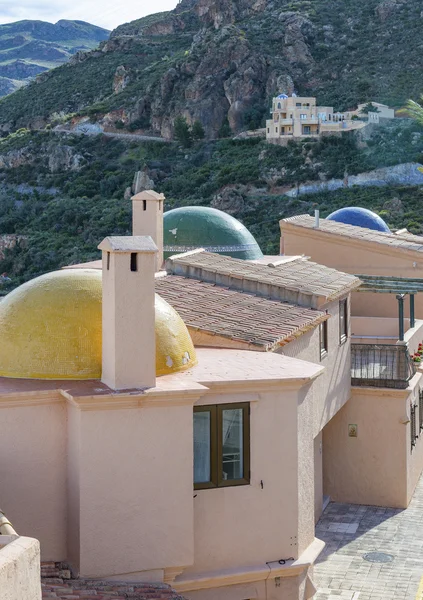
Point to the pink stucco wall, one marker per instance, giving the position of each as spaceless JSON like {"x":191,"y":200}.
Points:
{"x":377,"y":467}
{"x":136,"y":484}
{"x":33,"y":472}
{"x":236,"y":526}
{"x":351,"y":256}
{"x":332,"y":389}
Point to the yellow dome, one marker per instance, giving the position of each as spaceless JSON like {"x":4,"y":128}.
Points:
{"x":50,"y":328}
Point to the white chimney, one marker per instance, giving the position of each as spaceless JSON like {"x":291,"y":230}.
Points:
{"x":147,"y":219}
{"x":129,"y":340}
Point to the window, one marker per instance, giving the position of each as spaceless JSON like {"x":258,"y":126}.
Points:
{"x":306,"y":129}
{"x":298,"y":104}
{"x":221,"y":445}
{"x":134,"y":266}
{"x":413,"y":435}
{"x":343,"y":321}
{"x":276,"y":129}
{"x":303,"y":116}
{"x":323,"y":331}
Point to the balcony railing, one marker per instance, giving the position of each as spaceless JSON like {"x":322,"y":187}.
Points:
{"x":380,"y":365}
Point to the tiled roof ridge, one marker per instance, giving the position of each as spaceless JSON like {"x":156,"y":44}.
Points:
{"x":57,"y":583}
{"x":301,"y":277}
{"x":392,"y":240}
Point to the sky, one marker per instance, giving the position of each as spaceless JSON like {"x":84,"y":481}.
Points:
{"x":105,"y":13}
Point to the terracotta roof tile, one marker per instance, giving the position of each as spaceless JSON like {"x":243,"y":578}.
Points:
{"x":235,"y":314}
{"x":287,"y":280}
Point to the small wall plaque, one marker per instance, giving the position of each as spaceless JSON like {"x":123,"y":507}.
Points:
{"x":352,"y":430}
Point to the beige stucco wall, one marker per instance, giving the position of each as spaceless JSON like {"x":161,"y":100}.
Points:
{"x":33,"y":472}
{"x":237,"y":526}
{"x":19,"y":568}
{"x":377,"y":467}
{"x":73,"y":485}
{"x":415,"y":457}
{"x":356,"y":258}
{"x":318,"y":476}
{"x":286,"y":588}
{"x":332,"y":388}
{"x":136,"y":490}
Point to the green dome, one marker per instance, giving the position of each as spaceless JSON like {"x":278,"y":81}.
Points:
{"x":192,"y":227}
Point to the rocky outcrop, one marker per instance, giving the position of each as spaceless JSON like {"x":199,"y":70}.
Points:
{"x":405,"y":174}
{"x":120,"y":80}
{"x":387,"y":8}
{"x":59,"y":158}
{"x":64,"y":158}
{"x":230,"y":199}
{"x":221,"y":61}
{"x":142,"y":181}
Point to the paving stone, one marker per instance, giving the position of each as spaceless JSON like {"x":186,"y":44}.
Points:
{"x":352,"y":531}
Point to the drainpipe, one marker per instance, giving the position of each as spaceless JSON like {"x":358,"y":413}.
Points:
{"x":5,"y":525}
{"x":412,"y":315}
{"x":316,"y":218}
{"x":400,"y":298}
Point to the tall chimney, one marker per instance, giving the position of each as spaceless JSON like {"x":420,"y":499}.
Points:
{"x":129,"y":340}
{"x":147,"y":219}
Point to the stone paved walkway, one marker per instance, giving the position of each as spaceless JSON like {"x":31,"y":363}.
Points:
{"x":352,"y":531}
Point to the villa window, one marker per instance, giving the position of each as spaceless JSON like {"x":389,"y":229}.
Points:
{"x":343,"y":321}
{"x":303,"y":116}
{"x":323,"y":332}
{"x":221,"y":445}
{"x":298,"y":104}
{"x":413,"y":435}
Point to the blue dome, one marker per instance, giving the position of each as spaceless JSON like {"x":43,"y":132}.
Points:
{"x":283,"y":96}
{"x":360,"y":217}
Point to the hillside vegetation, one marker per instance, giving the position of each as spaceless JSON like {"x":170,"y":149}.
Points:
{"x":218,"y":60}
{"x":65,"y":193}
{"x":28,"y":48}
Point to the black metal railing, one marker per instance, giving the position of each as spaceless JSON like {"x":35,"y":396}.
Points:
{"x":381,"y":365}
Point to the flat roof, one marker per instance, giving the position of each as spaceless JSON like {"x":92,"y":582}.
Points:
{"x":236,"y":315}
{"x":215,"y":366}
{"x":407,"y":241}
{"x":221,"y":365}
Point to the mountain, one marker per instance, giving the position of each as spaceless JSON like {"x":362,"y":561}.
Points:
{"x":28,"y":48}
{"x":221,"y":61}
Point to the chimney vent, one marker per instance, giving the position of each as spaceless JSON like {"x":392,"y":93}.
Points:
{"x":147,"y":219}
{"x":316,"y":218}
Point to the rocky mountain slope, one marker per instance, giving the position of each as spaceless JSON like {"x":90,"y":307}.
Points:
{"x":28,"y":48}
{"x":61,"y":194}
{"x":219,"y":60}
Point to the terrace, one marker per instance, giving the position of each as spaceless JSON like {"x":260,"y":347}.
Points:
{"x":381,"y":348}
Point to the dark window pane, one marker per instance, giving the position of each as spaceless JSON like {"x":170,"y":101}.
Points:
{"x":232,"y":444}
{"x":202,"y":443}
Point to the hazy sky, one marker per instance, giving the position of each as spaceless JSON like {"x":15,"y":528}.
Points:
{"x":105,"y":13}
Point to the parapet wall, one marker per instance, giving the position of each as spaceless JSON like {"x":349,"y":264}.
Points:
{"x":19,"y":568}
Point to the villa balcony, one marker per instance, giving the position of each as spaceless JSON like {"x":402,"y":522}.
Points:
{"x":284,"y":122}
{"x":378,"y":359}
{"x":381,"y":365}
